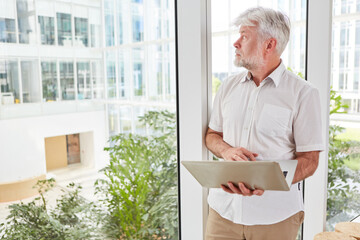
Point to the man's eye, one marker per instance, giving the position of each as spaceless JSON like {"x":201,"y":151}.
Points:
{"x":243,"y":37}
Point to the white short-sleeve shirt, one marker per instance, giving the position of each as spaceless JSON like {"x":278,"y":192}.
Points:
{"x":276,"y":119}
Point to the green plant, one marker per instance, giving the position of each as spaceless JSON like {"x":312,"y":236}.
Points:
{"x":72,"y":218}
{"x":139,"y":191}
{"x":340,"y":193}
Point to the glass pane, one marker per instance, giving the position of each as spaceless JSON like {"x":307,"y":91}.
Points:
{"x":142,"y":107}
{"x":83,"y":80}
{"x":224,"y":34}
{"x":111,"y":75}
{"x":95,"y":27}
{"x":109,"y":22}
{"x":26,"y":21}
{"x":49,"y":81}
{"x":97,"y":80}
{"x":343,"y":203}
{"x":123,"y":72}
{"x":47,"y":30}
{"x":7,"y":30}
{"x":67,"y":83}
{"x":138,"y":70}
{"x":30,"y":81}
{"x":64,"y":29}
{"x":9,"y":82}
{"x":81,"y":31}
{"x":137,"y":22}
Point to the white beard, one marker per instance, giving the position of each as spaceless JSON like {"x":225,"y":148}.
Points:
{"x":251,"y":63}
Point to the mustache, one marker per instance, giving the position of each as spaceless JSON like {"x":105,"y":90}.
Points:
{"x":238,"y":52}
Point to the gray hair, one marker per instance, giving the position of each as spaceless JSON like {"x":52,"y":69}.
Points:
{"x":271,"y":24}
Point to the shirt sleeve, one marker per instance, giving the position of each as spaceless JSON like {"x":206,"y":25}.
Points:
{"x":307,"y":123}
{"x":216,"y":119}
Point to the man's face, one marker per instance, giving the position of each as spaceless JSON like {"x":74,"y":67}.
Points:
{"x":248,"y":50}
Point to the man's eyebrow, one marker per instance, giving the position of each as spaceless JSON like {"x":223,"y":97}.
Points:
{"x":243,"y":31}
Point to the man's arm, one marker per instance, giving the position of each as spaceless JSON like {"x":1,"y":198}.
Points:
{"x":215,"y":143}
{"x":307,"y":164}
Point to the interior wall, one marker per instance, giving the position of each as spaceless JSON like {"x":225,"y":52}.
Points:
{"x":55,"y":152}
{"x":23,"y":146}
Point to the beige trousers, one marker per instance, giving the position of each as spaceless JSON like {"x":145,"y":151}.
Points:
{"x":219,"y":228}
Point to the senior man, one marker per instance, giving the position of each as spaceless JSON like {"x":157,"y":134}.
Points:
{"x":264,"y":113}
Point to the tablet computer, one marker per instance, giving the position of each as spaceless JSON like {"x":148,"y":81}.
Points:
{"x":266,"y":175}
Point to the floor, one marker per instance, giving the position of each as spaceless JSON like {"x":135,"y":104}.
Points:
{"x":75,"y":173}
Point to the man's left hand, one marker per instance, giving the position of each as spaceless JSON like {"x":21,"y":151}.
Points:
{"x":241,"y":189}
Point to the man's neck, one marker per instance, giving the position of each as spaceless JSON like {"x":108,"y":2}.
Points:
{"x":258,"y":75}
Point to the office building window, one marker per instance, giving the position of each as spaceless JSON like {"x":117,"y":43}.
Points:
{"x":81,"y":31}
{"x":7,"y":30}
{"x":357,"y":33}
{"x":64,"y":29}
{"x":344,"y":34}
{"x":125,"y":119}
{"x":356,"y":80}
{"x":109,"y":22}
{"x":9,"y":82}
{"x":97,"y":79}
{"x":26,"y":21}
{"x":83,"y":80}
{"x":67,"y":83}
{"x":49,"y":81}
{"x":111,"y":75}
{"x":357,"y":59}
{"x":30,"y":82}
{"x":95,"y":27}
{"x":120,"y":21}
{"x":138,"y":68}
{"x":138,"y":28}
{"x":47,"y":30}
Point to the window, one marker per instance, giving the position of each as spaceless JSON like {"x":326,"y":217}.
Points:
{"x":137,"y":23}
{"x":81,"y":31}
{"x":47,"y":30}
{"x":30,"y":88}
{"x":64,"y":29}
{"x":26,"y":21}
{"x":139,"y":81}
{"x":97,"y":79}
{"x":49,"y":81}
{"x":83,"y":80}
{"x":123,"y":74}
{"x":67,"y":83}
{"x":7,"y":30}
{"x":109,"y":22}
{"x":95,"y":27}
{"x":9,"y":82}
{"x":111,"y":75}
{"x":356,"y":80}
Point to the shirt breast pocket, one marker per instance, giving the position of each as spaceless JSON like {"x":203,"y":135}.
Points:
{"x":274,"y":120}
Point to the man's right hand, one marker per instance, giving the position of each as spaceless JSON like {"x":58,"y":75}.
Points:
{"x":238,"y":154}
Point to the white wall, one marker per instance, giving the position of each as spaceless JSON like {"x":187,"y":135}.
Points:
{"x":22,"y":145}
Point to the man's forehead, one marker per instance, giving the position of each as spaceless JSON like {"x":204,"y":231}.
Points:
{"x":247,"y":29}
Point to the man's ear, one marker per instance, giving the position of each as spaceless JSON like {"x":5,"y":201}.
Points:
{"x":271,"y":45}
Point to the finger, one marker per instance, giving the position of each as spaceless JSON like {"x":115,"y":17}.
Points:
{"x":258,"y":192}
{"x":234,"y":188}
{"x":248,"y":154}
{"x":243,"y":157}
{"x":237,"y":158}
{"x":226,"y":189}
{"x":255,"y":154}
{"x":245,"y":191}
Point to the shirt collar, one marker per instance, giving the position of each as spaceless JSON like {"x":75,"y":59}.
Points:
{"x":275,"y":76}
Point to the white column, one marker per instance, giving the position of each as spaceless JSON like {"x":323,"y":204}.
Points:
{"x":193,"y":109}
{"x":318,"y":73}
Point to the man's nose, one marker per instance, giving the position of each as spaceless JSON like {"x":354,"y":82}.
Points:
{"x":237,"y":44}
